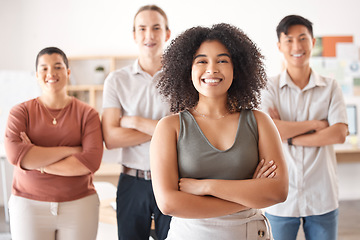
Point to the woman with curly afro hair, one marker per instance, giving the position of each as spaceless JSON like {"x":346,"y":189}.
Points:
{"x":217,"y":160}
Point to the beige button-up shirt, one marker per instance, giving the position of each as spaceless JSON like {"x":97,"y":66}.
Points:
{"x":313,"y":186}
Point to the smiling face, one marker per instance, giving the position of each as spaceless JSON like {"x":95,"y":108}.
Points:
{"x":212,"y":69}
{"x":52,"y":73}
{"x":150,"y":32}
{"x":296,"y":46}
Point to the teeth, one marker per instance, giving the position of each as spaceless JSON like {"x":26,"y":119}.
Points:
{"x":298,"y":55}
{"x":211,"y":80}
{"x":51,"y":81}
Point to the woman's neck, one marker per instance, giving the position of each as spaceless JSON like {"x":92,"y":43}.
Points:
{"x":212,"y":107}
{"x":55,"y":101}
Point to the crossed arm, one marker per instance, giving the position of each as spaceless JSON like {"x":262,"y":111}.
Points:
{"x":125,"y":131}
{"x":53,"y":160}
{"x":322,"y":135}
{"x":191,"y":198}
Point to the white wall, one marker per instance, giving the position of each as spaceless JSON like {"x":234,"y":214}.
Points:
{"x":93,"y":27}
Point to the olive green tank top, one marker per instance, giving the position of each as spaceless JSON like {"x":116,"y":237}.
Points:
{"x":197,"y":158}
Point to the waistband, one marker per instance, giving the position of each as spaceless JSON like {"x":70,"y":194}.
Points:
{"x":136,"y":173}
{"x":231,"y":223}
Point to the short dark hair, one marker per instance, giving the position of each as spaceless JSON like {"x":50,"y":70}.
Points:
{"x":152,"y":8}
{"x":49,"y":51}
{"x":249,"y":74}
{"x":292,"y":20}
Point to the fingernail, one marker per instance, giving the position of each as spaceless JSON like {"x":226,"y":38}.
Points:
{"x":274,"y":166}
{"x":271,"y":162}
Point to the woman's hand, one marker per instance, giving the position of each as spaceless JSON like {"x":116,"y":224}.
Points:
{"x":192,"y":186}
{"x":25,"y":138}
{"x":265,"y":170}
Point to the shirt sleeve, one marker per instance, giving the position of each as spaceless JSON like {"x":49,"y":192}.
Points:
{"x":17,"y":123}
{"x":110,"y":93}
{"x":268,"y":96}
{"x":337,"y":110}
{"x":92,"y":141}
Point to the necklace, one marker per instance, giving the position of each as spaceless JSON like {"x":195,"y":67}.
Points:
{"x":54,"y":121}
{"x":204,"y":116}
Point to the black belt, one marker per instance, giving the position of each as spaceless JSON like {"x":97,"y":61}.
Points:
{"x":136,"y":173}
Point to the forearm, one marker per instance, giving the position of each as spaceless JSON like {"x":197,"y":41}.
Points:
{"x":223,"y":189}
{"x":144,"y":125}
{"x":253,"y":193}
{"x":38,"y":157}
{"x":289,"y":129}
{"x":332,"y":135}
{"x":185,"y":205}
{"x":69,"y":166}
{"x":119,"y":137}
{"x":119,"y":131}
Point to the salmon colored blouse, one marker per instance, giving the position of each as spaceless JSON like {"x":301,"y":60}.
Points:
{"x":78,"y":124}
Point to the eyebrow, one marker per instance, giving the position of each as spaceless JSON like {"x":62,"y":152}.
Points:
{"x":155,"y":25}
{"x":220,"y":55}
{"x":44,"y":64}
{"x":302,"y":34}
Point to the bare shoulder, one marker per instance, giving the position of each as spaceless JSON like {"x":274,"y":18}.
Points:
{"x":169,"y":122}
{"x":261,"y":116}
{"x":166,"y":130}
{"x":170,"y":119}
{"x":265,"y":124}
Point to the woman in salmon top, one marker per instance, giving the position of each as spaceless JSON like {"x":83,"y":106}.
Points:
{"x":55,"y":143}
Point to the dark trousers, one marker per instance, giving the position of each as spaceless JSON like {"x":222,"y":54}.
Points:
{"x":135,"y":204}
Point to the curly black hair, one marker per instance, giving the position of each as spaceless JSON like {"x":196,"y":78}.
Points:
{"x":175,"y":82}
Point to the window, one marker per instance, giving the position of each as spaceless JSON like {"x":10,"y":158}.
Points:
{"x":352,"y":119}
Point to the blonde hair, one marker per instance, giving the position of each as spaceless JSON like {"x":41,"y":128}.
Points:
{"x":153,"y":8}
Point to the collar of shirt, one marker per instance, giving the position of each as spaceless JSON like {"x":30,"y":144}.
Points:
{"x":314,"y":81}
{"x":136,"y":69}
